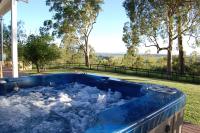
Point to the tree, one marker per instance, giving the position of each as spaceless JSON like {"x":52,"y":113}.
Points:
{"x":156,"y":20}
{"x":152,"y":22}
{"x":21,"y":36}
{"x":7,"y":42}
{"x":131,"y":40}
{"x":193,"y":64}
{"x":69,"y":49}
{"x":188,"y":24}
{"x":40,"y":51}
{"x":75,"y":19}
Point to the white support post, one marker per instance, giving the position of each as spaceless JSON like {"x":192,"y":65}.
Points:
{"x":1,"y":41}
{"x":14,"y":39}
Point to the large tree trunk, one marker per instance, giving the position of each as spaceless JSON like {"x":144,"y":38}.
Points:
{"x":38,"y":68}
{"x":169,"y":61}
{"x":87,"y":60}
{"x":169,"y":51}
{"x":87,"y":54}
{"x":180,"y":46}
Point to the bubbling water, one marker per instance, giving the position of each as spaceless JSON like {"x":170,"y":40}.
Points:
{"x":70,"y":108}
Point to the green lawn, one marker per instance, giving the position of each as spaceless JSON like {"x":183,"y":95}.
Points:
{"x":192,"y":110}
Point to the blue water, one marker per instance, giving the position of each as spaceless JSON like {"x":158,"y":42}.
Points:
{"x":69,"y":108}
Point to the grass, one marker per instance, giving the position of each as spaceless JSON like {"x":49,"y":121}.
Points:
{"x":192,"y":78}
{"x":192,"y":110}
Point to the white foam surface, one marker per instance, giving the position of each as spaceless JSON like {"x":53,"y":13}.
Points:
{"x":70,"y":108}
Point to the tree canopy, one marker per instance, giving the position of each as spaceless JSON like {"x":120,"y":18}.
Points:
{"x":157,"y":22}
{"x":21,"y":35}
{"x":40,"y":51}
{"x":74,"y":20}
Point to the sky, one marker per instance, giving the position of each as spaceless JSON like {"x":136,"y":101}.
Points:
{"x":106,"y":36}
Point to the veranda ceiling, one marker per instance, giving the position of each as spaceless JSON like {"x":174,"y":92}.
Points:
{"x":5,"y":6}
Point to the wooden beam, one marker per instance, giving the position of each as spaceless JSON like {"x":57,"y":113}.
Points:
{"x":5,"y":6}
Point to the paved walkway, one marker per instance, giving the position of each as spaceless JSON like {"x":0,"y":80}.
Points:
{"x":190,"y":128}
{"x":7,"y":72}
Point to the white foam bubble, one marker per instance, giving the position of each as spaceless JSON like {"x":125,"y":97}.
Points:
{"x":70,"y":109}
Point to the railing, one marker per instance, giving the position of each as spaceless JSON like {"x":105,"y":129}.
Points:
{"x":192,"y":78}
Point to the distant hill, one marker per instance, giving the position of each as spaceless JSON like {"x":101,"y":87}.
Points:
{"x":122,"y":54}
{"x":154,"y":55}
{"x":110,"y":54}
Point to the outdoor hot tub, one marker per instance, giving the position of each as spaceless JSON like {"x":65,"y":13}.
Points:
{"x":45,"y":103}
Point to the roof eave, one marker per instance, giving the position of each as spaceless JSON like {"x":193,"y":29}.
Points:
{"x":5,"y":6}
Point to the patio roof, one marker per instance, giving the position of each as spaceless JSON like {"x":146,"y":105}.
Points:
{"x":5,"y":6}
